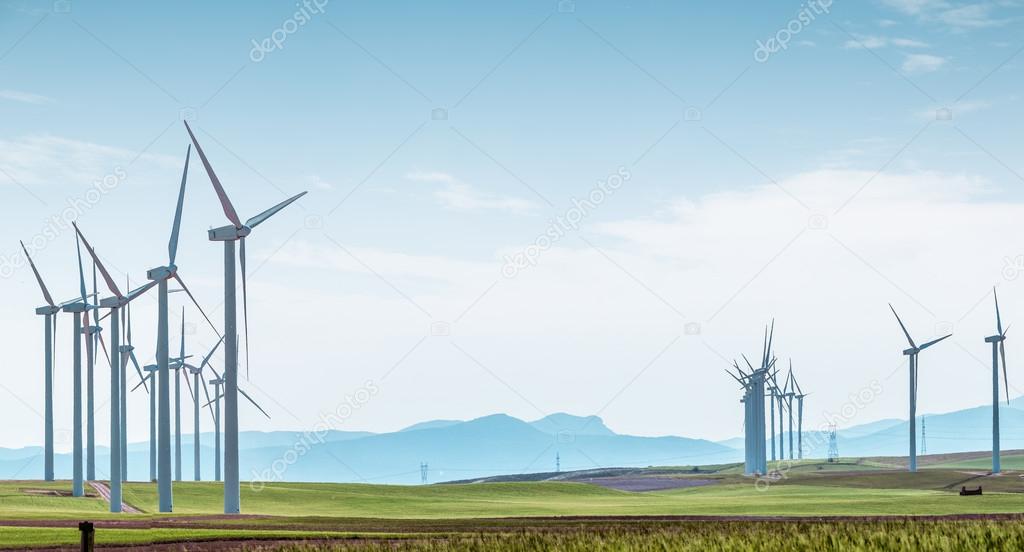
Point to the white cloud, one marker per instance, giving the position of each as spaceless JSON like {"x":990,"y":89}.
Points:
{"x":956,"y":16}
{"x":876,"y":42}
{"x":728,"y":260}
{"x":455,"y":194}
{"x":922,"y":63}
{"x":41,"y":160}
{"x":24,"y":97}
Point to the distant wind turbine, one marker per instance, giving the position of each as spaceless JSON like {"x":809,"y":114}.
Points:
{"x":912,"y":352}
{"x":998,"y":354}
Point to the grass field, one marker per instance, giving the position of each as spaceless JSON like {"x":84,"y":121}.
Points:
{"x":450,"y":514}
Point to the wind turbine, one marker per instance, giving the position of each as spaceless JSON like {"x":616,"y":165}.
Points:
{"x":91,"y":333}
{"x":799,"y":419}
{"x":197,"y":373}
{"x":151,"y":371}
{"x":115,"y":304}
{"x":216,"y":383}
{"x":790,"y":395}
{"x":998,"y":353}
{"x":49,"y":322}
{"x":162,"y":275}
{"x":236,"y":231}
{"x":177,"y":365}
{"x":128,"y":353}
{"x":80,"y":309}
{"x":912,"y":352}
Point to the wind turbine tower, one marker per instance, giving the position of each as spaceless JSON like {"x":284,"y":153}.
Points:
{"x":235,"y":231}
{"x":49,"y":322}
{"x":998,"y":354}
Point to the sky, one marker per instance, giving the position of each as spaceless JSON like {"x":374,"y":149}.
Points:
{"x":527,"y":207}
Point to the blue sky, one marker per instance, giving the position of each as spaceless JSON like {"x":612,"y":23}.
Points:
{"x":815,"y":186}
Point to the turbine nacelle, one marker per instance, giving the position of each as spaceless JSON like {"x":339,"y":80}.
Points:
{"x":229,"y":233}
{"x":911,"y":351}
{"x":47,"y":310}
{"x":162,"y":273}
{"x":995,"y":338}
{"x":150,"y":368}
{"x":77,"y":306}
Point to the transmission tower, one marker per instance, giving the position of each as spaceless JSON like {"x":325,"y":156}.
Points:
{"x":833,"y":444}
{"x":423,"y":472}
{"x":558,"y":463}
{"x":924,"y":444}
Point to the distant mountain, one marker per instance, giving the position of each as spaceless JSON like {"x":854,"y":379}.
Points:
{"x":500,"y":444}
{"x":491,"y":445}
{"x":553,"y":424}
{"x":431,"y":424}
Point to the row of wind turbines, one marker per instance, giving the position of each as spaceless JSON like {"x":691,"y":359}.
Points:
{"x":155,"y":378}
{"x":998,"y":357}
{"x":757,"y":383}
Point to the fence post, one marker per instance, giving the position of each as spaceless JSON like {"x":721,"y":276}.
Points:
{"x":88,"y":535}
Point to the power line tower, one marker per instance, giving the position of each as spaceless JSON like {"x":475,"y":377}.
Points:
{"x":424,"y":468}
{"x":558,"y":463}
{"x":833,"y":444}
{"x":924,"y":444}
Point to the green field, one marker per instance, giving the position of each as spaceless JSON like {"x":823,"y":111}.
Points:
{"x":370,"y":514}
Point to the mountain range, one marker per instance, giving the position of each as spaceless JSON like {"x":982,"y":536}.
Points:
{"x":500,"y":444}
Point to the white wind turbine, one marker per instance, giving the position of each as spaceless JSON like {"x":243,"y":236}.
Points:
{"x":236,"y":231}
{"x":197,"y":378}
{"x":49,"y":322}
{"x":162,"y":275}
{"x":117,"y":365}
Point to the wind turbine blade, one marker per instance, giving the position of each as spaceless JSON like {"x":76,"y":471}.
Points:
{"x":206,"y":391}
{"x":221,"y":396}
{"x":104,"y":344}
{"x":189,"y":385}
{"x":172,"y":245}
{"x":258,"y":219}
{"x":745,"y":359}
{"x":81,"y":274}
{"x":246,"y":395}
{"x":1006,"y":383}
{"x":128,"y":326}
{"x":131,"y":355}
{"x":196,"y":303}
{"x":225,"y":203}
{"x":771,"y":337}
{"x":934,"y":341}
{"x":98,"y":264}
{"x":206,"y":359}
{"x":141,"y":384}
{"x":39,"y":279}
{"x":245,"y":305}
{"x":905,"y":332}
{"x":142,"y":289}
{"x":183,"y":336}
{"x":999,"y":320}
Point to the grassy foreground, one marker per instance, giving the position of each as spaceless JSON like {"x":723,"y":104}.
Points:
{"x":725,"y":537}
